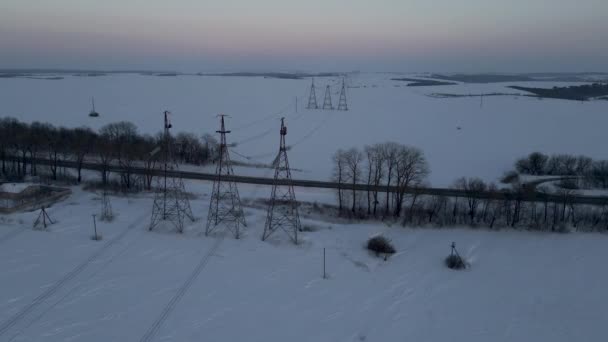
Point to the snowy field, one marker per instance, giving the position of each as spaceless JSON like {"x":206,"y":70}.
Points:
{"x":490,"y":138}
{"x":136,"y":285}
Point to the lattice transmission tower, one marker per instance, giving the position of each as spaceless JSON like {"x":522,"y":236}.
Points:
{"x":225,"y":209}
{"x":342,"y":105}
{"x":327,"y":101}
{"x":171,"y":202}
{"x":106,"y":207}
{"x":283,"y":207}
{"x":312,"y":97}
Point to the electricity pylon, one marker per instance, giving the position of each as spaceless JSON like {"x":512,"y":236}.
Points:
{"x":283,"y":208}
{"x":225,"y":204}
{"x":312,"y":97}
{"x":171,"y":202}
{"x":106,"y":207}
{"x":342,"y":103}
{"x":327,"y":101}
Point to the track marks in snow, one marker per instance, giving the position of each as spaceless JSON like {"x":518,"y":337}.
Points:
{"x":149,"y":335}
{"x":52,"y":289}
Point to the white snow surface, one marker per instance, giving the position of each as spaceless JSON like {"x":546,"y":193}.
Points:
{"x":59,"y":285}
{"x":14,"y":187}
{"x":491,"y":137}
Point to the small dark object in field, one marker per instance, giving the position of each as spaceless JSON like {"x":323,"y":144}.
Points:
{"x":380,"y":244}
{"x":455,"y":262}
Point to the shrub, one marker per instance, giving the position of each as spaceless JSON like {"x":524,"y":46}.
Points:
{"x":455,"y":262}
{"x":510,"y":177}
{"x":380,"y":244}
{"x":569,"y":184}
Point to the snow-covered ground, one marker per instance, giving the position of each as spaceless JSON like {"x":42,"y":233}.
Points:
{"x":59,"y":285}
{"x":491,"y":136}
{"x":14,"y":187}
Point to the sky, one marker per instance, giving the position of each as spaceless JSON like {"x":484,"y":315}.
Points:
{"x":311,"y":35}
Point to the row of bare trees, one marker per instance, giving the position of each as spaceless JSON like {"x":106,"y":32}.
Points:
{"x":392,"y":165}
{"x":115,"y":144}
{"x":514,"y":208}
{"x":591,"y":173}
{"x":393,"y":173}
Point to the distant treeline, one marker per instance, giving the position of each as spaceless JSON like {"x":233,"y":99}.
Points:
{"x":114,"y":144}
{"x":414,"y":82}
{"x":403,"y":169}
{"x":279,"y":75}
{"x":579,"y":93}
{"x":483,"y":78}
{"x":591,"y":173}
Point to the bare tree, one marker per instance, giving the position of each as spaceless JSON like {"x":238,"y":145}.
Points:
{"x":473,"y":187}
{"x":353,"y":159}
{"x":339,"y":174}
{"x":82,"y":141}
{"x":411,"y":169}
{"x":389,"y":153}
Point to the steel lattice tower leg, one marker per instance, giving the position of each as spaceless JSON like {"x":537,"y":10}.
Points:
{"x":342,"y":103}
{"x":283,"y":207}
{"x":327,"y":101}
{"x":171,"y":202}
{"x":225,"y":204}
{"x":312,"y":97}
{"x":106,"y":207}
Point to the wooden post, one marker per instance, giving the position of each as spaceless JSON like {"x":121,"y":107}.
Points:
{"x":94,"y":228}
{"x":324,"y":274}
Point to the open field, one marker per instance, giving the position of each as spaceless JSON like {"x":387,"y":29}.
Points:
{"x":59,"y":285}
{"x":491,"y":135}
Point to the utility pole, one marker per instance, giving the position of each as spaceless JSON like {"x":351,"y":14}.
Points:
{"x":171,"y":202}
{"x":283,"y":207}
{"x":95,"y":237}
{"x":225,"y":204}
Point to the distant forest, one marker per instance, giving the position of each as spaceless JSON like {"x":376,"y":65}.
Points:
{"x":484,"y":78}
{"x":579,"y":93}
{"x":422,"y":83}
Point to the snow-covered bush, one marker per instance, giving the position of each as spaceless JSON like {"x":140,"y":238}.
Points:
{"x":455,"y":262}
{"x":380,"y":244}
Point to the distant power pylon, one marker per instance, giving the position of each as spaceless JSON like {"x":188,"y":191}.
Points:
{"x":225,"y":204}
{"x":283,"y":208}
{"x":312,"y":97}
{"x":327,"y":101}
{"x":171,"y":202}
{"x":342,"y":104}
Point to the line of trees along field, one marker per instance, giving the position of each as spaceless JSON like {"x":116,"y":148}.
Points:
{"x":401,"y":167}
{"x":115,"y":143}
{"x":590,"y":173}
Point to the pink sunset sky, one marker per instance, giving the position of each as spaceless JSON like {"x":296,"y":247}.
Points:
{"x":384,"y":35}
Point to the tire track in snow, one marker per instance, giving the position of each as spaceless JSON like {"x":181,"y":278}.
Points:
{"x":149,"y":335}
{"x":16,"y":318}
{"x":71,"y":291}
